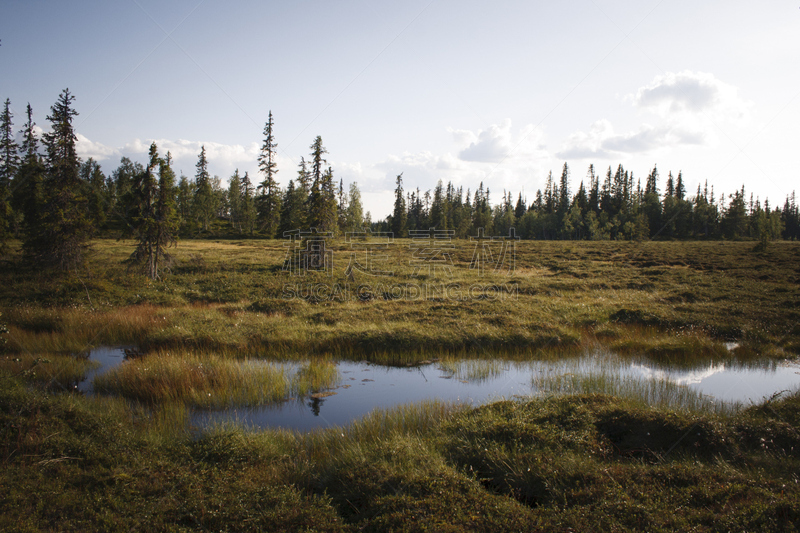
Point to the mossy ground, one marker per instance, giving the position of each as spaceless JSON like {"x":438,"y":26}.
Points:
{"x":666,"y":299}
{"x":578,"y":462}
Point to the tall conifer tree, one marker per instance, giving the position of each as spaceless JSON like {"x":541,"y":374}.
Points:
{"x":63,"y":227}
{"x":9,"y":164}
{"x":268,"y":203}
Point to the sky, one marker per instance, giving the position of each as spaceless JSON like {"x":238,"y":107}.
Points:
{"x":471,"y":92}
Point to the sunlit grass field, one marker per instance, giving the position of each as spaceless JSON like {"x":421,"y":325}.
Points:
{"x":227,"y":326}
{"x":669,"y":299}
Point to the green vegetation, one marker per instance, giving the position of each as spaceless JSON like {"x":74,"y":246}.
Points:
{"x":646,"y":391}
{"x":593,"y":453}
{"x":587,"y":462}
{"x":210,"y":381}
{"x":677,"y":302}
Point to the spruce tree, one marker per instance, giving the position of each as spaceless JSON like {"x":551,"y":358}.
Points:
{"x":341,"y":207}
{"x":328,"y":207}
{"x":292,"y":210}
{"x":155,"y":217}
{"x":235,"y":202}
{"x":30,"y":145}
{"x":563,"y":192}
{"x":9,"y":164}
{"x":399,"y":215}
{"x":670,"y":186}
{"x":322,"y":198}
{"x":520,"y":209}
{"x":438,"y":210}
{"x":680,"y":189}
{"x":144,"y":192}
{"x":248,"y":205}
{"x":205,"y":201}
{"x":652,"y":203}
{"x":184,"y":202}
{"x":63,"y":227}
{"x":268,"y":203}
{"x":27,"y":197}
{"x":167,"y":218}
{"x":96,"y":191}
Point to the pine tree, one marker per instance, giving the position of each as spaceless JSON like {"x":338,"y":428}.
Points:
{"x":581,"y":200}
{"x":292,"y":210}
{"x":9,"y":164}
{"x":519,"y":209}
{"x":341,"y":207}
{"x":329,"y":220}
{"x":205,"y":201}
{"x":184,"y":196}
{"x":167,"y":218}
{"x":235,"y":202}
{"x":315,"y":178}
{"x":652,"y":203}
{"x":564,"y":192}
{"x":399,"y":215}
{"x":594,"y":189}
{"x":96,"y":191}
{"x":268,"y":203}
{"x":27,"y":197}
{"x":63,"y":226}
{"x":670,"y":186}
{"x":248,"y":205}
{"x":30,"y":145}
{"x":680,"y":189}
{"x":322,"y":198}
{"x":438,"y":214}
{"x":155,"y":218}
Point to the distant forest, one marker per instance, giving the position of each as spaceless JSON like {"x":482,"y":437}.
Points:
{"x":54,"y":202}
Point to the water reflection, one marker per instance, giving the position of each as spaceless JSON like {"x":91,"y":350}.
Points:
{"x":108,"y":357}
{"x":365,"y":386}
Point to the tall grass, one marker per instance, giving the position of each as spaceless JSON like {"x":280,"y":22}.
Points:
{"x":214,"y":381}
{"x":35,"y":330}
{"x":473,"y":370}
{"x":53,"y":370}
{"x":202,"y":381}
{"x":315,"y":376}
{"x":651,"y":392}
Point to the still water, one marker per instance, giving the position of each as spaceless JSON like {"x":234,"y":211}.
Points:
{"x":364,"y":386}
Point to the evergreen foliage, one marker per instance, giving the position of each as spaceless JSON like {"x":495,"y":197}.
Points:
{"x":268,"y":203}
{"x":58,"y":234}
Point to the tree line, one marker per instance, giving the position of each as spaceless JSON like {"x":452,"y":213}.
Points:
{"x":614,"y":207}
{"x":54,"y":202}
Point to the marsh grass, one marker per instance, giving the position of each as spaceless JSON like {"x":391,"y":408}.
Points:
{"x":474,"y":370}
{"x":69,"y":330}
{"x":657,"y":392}
{"x":315,"y":376}
{"x":55,"y":371}
{"x":198,"y":380}
{"x":557,"y":463}
{"x":214,"y":381}
{"x":676,"y":301}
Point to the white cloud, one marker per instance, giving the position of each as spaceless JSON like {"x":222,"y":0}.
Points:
{"x":224,"y":155}
{"x":499,"y":156}
{"x":690,"y":108}
{"x":676,"y":94}
{"x":498,"y":144}
{"x":98,"y":151}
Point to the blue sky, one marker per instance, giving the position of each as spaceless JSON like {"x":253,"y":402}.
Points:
{"x":462,"y":91}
